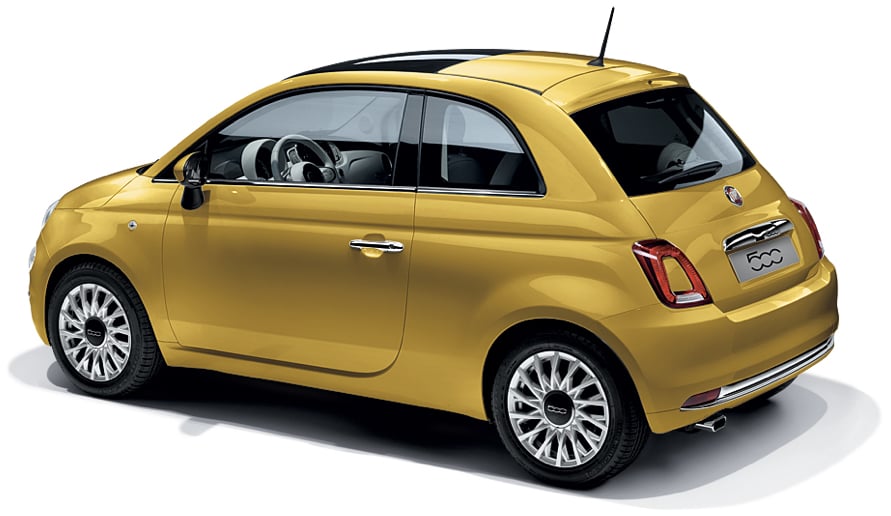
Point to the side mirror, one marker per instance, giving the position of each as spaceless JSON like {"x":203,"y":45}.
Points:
{"x":189,"y":173}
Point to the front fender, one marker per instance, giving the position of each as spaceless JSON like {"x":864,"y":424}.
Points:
{"x":74,"y":233}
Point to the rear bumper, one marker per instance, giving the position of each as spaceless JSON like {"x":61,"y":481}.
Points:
{"x":773,"y":376}
{"x":673,"y":354}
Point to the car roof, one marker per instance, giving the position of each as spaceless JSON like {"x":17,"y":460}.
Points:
{"x":531,"y":70}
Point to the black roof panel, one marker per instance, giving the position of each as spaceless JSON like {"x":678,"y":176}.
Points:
{"x":429,"y":61}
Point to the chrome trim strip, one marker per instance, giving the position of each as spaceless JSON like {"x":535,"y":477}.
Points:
{"x":473,"y":191}
{"x":771,"y":376}
{"x":387,"y":246}
{"x":755,"y":234}
{"x":339,"y":186}
{"x":333,"y":186}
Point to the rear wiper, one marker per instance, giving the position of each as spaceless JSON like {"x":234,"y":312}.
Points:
{"x":709,"y":168}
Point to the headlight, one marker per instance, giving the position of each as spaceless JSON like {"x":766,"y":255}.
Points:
{"x":46,"y":216}
{"x":49,"y":211}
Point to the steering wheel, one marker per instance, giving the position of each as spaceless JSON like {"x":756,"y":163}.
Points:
{"x":283,"y":164}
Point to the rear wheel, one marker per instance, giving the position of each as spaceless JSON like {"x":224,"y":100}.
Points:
{"x":100,"y":332}
{"x":564,"y":413}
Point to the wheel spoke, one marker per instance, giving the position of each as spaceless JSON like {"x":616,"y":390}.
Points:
{"x":73,"y":351}
{"x":546,"y":443}
{"x":519,"y":396}
{"x":85,"y":364}
{"x":99,"y":364}
{"x":123,"y":347}
{"x":538,"y":392}
{"x":123,"y":329}
{"x":115,"y":359}
{"x":521,"y":416}
{"x":532,"y":433}
{"x":102,"y":311}
{"x":572,"y":452}
{"x":559,"y":456}
{"x":71,"y":301}
{"x":580,"y":430}
{"x":83,"y":300}
{"x":587,"y":382}
{"x":599,"y":422}
{"x":592,"y":438}
{"x":555,"y":371}
{"x":79,"y":325}
{"x":543,"y":379}
{"x":94,"y":302}
{"x":114,"y":316}
{"x":71,"y":335}
{"x":565,"y":384}
{"x":595,"y":401}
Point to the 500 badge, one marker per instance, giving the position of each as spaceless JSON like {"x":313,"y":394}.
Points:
{"x":766,"y":257}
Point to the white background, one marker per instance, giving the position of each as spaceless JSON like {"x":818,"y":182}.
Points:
{"x":90,"y":87}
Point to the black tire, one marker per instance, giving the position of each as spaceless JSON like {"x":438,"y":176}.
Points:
{"x":144,"y":360}
{"x":626,"y":432}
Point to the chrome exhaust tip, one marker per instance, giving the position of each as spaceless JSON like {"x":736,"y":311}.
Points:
{"x":713,"y":424}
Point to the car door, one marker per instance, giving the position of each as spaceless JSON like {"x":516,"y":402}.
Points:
{"x":300,"y":253}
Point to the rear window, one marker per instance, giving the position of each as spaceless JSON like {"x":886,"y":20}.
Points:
{"x":662,"y":140}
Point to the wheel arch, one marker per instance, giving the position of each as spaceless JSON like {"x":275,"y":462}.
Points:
{"x":134,"y":361}
{"x":68,"y":264}
{"x":514,"y":336}
{"x":59,"y":270}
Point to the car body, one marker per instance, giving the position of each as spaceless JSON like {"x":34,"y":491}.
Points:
{"x":430,"y":216}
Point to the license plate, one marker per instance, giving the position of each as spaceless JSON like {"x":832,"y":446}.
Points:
{"x":763,"y":258}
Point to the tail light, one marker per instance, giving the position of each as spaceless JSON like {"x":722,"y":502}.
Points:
{"x":809,"y":220}
{"x":652,"y":255}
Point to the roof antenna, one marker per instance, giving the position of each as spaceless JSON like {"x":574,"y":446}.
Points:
{"x":598,"y":61}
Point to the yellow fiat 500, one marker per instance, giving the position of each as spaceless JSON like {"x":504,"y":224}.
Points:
{"x":578,"y":250}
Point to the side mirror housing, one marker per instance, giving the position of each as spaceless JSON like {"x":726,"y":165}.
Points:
{"x":189,"y":172}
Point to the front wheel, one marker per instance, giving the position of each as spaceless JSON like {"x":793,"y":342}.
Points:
{"x":564,"y":411}
{"x":100,"y":332}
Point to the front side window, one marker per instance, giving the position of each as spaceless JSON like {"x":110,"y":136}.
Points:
{"x":466,"y":147}
{"x":662,"y":140}
{"x":340,"y":137}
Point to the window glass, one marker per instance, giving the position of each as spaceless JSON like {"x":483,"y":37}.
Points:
{"x":464,"y":146}
{"x":662,"y":140}
{"x":341,"y":137}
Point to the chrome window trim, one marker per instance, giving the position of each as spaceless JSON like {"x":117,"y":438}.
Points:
{"x":770,"y":377}
{"x":755,"y":234}
{"x":340,"y":186}
{"x":480,"y":191}
{"x":333,"y":186}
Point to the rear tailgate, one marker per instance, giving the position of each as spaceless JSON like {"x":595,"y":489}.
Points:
{"x":699,"y":219}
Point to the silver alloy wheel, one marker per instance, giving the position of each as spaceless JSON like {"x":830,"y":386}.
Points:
{"x":558,"y":409}
{"x":94,"y":332}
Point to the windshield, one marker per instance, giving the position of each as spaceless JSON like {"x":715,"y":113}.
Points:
{"x":662,"y":140}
